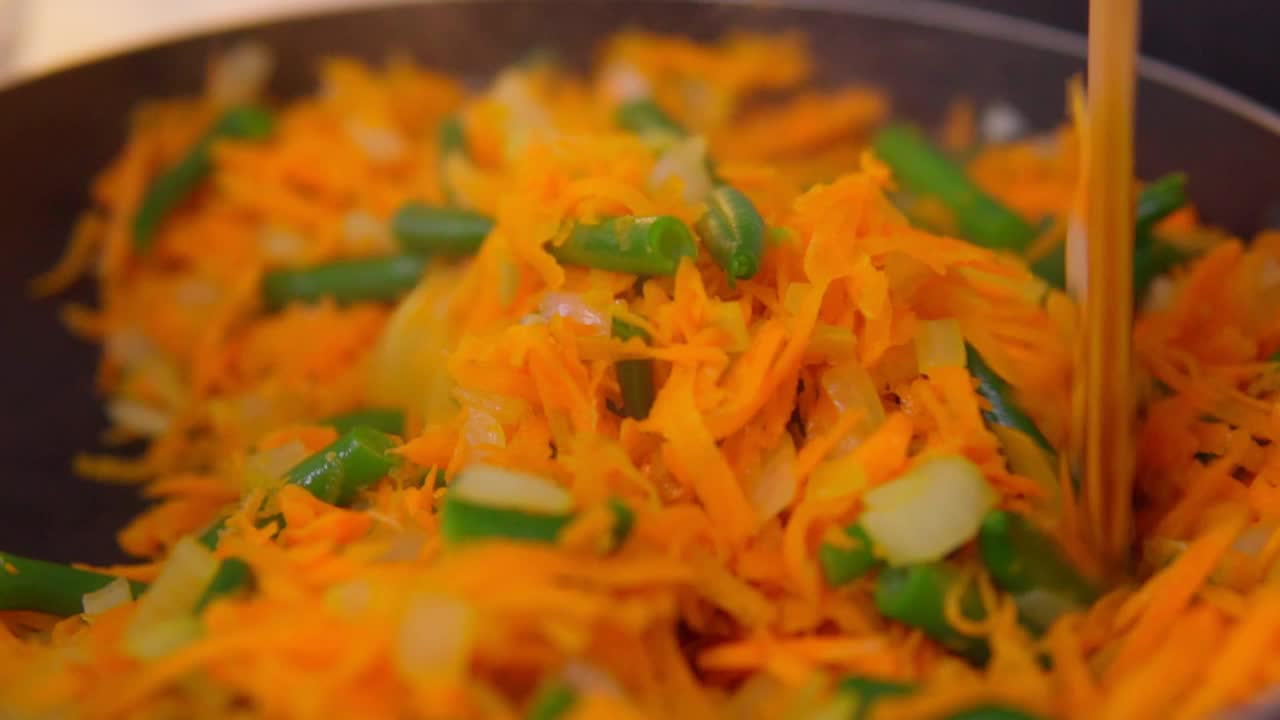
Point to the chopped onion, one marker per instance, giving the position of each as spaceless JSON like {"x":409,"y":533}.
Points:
{"x":836,"y":478}
{"x":197,"y":293}
{"x":939,"y":343}
{"x":851,"y":388}
{"x":1254,"y":538}
{"x":499,"y":487}
{"x":138,"y":418}
{"x":793,"y":297}
{"x":1027,"y":458}
{"x":832,"y":344}
{"x":929,"y":511}
{"x":362,"y":233}
{"x":1001,"y":122}
{"x":622,"y":82}
{"x":685,"y":159}
{"x":266,"y":469}
{"x":240,"y":74}
{"x":113,"y":594}
{"x":774,"y":487}
{"x":279,"y":245}
{"x":129,"y":347}
{"x":480,"y":429}
{"x":728,"y":317}
{"x":571,"y":306}
{"x":434,"y":637}
{"x":1160,"y":293}
{"x":379,"y":143}
{"x":163,"y":620}
{"x":588,"y":678}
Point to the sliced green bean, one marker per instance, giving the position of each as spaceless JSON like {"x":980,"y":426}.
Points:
{"x":339,"y":470}
{"x":635,"y":376}
{"x":733,"y":232}
{"x":1030,"y":565}
{"x":915,"y":595}
{"x":174,"y":185}
{"x":233,"y":576}
{"x":922,"y":169}
{"x":39,"y":586}
{"x":463,"y":521}
{"x":387,"y":420}
{"x":1151,"y":257}
{"x":623,"y":520}
{"x":426,"y":230}
{"x":377,"y":279}
{"x":552,"y":701}
{"x":1005,"y":410}
{"x":640,"y":245}
{"x":867,"y":691}
{"x":841,"y":564}
{"x":647,"y":119}
{"x":451,"y":139}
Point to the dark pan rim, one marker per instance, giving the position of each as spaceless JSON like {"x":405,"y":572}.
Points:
{"x":933,"y":14}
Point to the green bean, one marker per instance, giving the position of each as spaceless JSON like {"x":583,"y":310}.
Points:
{"x":915,"y":594}
{"x":640,"y":245}
{"x":1029,"y":564}
{"x":40,"y":586}
{"x":451,"y":139}
{"x":733,"y":232}
{"x":552,"y":701}
{"x":1151,"y":258}
{"x":845,"y":564}
{"x":635,"y":376}
{"x":174,"y":185}
{"x":209,"y":537}
{"x":647,"y":119}
{"x":233,"y":576}
{"x":388,"y":420}
{"x":1005,"y":410}
{"x":922,"y":169}
{"x":347,"y":281}
{"x":425,"y":230}
{"x":623,"y":520}
{"x":343,"y":467}
{"x":868,"y":691}
{"x":1158,"y":200}
{"x":463,"y":521}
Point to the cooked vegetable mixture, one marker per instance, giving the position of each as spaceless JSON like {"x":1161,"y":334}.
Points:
{"x":679,"y":389}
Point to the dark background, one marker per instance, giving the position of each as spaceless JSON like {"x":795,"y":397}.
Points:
{"x":1234,"y":42}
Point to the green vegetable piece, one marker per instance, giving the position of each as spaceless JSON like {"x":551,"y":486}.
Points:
{"x":868,"y":691}
{"x":376,"y":279}
{"x":991,"y":712}
{"x":209,"y":538}
{"x":387,"y":420}
{"x":915,"y":594}
{"x":635,"y":376}
{"x":623,"y":520}
{"x":233,"y":576}
{"x":339,"y":470}
{"x":646,"y":118}
{"x":174,"y":185}
{"x":425,"y":230}
{"x":1026,"y":562}
{"x":463,"y":521}
{"x":452,"y":140}
{"x":40,"y":586}
{"x":552,"y":701}
{"x":922,"y":169}
{"x":840,"y":564}
{"x":733,"y":232}
{"x":1004,"y":410}
{"x":640,"y":245}
{"x":1157,"y":201}
{"x":1151,"y":258}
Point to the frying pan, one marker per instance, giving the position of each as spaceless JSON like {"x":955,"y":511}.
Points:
{"x":57,"y":131}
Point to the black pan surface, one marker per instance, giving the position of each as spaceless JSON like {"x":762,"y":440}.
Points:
{"x":57,"y":131}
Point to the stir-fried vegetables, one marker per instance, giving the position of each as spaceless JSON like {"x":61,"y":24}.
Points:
{"x":685,"y":388}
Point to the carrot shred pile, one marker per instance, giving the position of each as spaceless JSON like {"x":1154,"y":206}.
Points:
{"x":716,"y":605}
